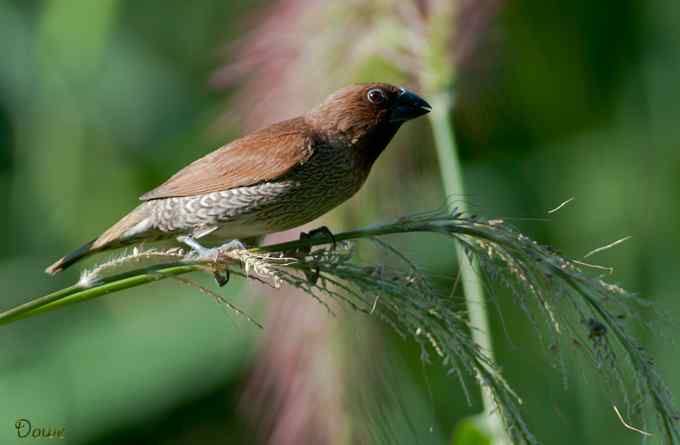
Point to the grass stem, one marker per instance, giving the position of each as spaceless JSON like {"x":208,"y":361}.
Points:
{"x":452,"y":178}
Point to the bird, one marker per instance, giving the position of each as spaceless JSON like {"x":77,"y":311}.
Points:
{"x":273,"y":179}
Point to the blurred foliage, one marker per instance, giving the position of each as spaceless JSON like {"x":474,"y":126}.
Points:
{"x":100,"y":101}
{"x":468,"y":433}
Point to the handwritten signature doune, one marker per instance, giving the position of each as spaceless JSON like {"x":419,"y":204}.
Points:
{"x":25,"y":429}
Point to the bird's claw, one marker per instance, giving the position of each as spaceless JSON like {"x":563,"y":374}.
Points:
{"x":203,"y":253}
{"x":325,"y":232}
{"x":322,"y":231}
{"x":313,"y":275}
{"x":221,"y":277}
{"x":212,"y":255}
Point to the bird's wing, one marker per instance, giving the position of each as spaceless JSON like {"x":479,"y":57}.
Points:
{"x":261,"y":156}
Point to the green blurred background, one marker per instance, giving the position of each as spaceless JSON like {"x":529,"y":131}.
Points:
{"x":102,"y":100}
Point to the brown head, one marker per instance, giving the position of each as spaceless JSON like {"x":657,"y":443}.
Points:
{"x":366,"y":116}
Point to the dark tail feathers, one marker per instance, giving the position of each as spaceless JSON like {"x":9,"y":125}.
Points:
{"x":114,"y":237}
{"x":71,"y":258}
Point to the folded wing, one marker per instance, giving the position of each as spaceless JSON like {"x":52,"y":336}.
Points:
{"x":262,"y":156}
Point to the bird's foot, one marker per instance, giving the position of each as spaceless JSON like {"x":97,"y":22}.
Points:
{"x":201,"y":252}
{"x":312,"y":275}
{"x":319,"y":232}
{"x":212,"y":255}
{"x":323,"y":231}
{"x":221,"y":277}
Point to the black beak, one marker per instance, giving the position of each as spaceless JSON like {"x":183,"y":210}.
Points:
{"x":407,"y":106}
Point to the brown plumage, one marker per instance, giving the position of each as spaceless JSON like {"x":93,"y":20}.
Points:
{"x":261,"y":156}
{"x":274,"y":179}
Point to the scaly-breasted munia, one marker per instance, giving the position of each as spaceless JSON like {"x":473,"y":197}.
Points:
{"x":274,"y":179}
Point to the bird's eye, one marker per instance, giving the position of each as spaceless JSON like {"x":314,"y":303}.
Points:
{"x":376,"y":96}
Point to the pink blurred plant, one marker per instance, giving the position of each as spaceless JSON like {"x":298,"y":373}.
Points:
{"x":298,"y":50}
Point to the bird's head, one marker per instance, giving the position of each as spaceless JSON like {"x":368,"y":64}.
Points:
{"x":366,"y":116}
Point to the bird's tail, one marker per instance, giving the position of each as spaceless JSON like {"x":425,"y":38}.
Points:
{"x":118,"y":235}
{"x":67,"y":260}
